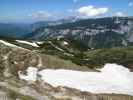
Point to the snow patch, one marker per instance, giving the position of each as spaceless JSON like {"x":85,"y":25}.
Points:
{"x":113,"y":78}
{"x":29,"y":43}
{"x":65,"y":43}
{"x":31,"y":74}
{"x":8,"y":44}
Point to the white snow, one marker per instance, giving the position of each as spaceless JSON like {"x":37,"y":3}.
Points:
{"x":8,"y":44}
{"x":65,"y":43}
{"x":29,"y":43}
{"x":39,"y":42}
{"x":113,"y":78}
{"x":31,"y":74}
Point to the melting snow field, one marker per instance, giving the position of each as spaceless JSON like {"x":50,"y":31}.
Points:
{"x":113,"y":78}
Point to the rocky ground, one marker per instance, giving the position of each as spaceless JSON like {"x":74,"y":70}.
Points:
{"x":13,"y":59}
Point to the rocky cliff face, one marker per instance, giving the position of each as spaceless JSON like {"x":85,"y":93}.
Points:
{"x":94,"y":33}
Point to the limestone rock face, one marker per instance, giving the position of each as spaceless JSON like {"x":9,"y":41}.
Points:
{"x":93,"y":33}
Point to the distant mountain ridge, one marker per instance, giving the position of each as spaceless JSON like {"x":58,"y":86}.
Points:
{"x":18,"y":30}
{"x":93,"y":33}
{"x":40,"y":24}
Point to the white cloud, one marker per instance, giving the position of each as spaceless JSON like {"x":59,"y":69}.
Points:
{"x":91,"y":11}
{"x":40,"y":15}
{"x":119,"y":14}
{"x":130,"y":4}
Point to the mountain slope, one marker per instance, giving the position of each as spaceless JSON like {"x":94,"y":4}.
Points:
{"x":16,"y":59}
{"x":64,"y":54}
{"x":93,"y":33}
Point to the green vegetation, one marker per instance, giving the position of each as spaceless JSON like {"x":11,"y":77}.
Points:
{"x":9,"y":94}
{"x":91,"y":58}
{"x":119,"y":55}
{"x":55,"y":54}
{"x":14,"y":95}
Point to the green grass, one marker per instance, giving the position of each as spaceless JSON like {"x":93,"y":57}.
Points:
{"x":94,"y":58}
{"x":119,"y":55}
{"x":14,"y":95}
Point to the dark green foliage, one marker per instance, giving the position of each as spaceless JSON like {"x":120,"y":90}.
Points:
{"x":93,"y":57}
{"x":123,"y":56}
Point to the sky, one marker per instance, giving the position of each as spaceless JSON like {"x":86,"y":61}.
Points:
{"x":37,"y":10}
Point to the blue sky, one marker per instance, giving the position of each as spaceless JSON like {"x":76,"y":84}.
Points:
{"x":35,"y":10}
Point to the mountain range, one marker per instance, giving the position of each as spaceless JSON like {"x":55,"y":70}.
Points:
{"x":92,"y":33}
{"x":18,"y":30}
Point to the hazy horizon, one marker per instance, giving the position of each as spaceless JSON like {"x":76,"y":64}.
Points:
{"x":39,"y":10}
